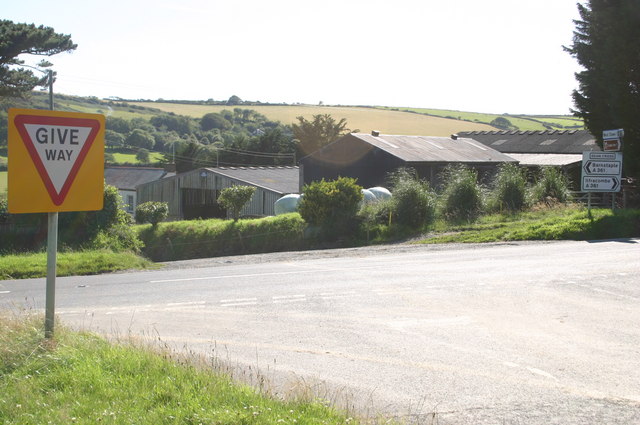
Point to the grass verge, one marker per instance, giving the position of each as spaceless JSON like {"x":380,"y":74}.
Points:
{"x":25,"y":266}
{"x":572,"y":223}
{"x":80,"y":378}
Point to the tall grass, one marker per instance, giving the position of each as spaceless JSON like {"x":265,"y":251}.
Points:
{"x":80,"y":378}
{"x":462,"y":198}
{"x":510,"y":189}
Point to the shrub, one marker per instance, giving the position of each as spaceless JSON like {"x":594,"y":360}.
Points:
{"x":510,"y":189}
{"x":462,"y":197}
{"x":152,"y":212}
{"x":331,"y":205}
{"x":234,"y":198}
{"x":552,"y":185}
{"x":413,"y":201}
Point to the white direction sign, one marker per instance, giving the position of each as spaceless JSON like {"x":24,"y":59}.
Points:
{"x":601,"y":171}
{"x":600,"y":184}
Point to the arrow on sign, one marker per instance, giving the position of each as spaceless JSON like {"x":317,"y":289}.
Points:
{"x":57,"y":146}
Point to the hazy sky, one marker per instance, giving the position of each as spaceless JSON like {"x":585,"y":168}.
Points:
{"x":472,"y":55}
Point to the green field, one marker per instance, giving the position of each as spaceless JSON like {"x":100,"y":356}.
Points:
{"x":358,"y":118}
{"x":522,"y":122}
{"x":130,"y":158}
{"x":3,"y":182}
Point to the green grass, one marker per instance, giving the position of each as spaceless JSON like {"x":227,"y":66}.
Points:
{"x":130,"y":158}
{"x":79,"y":378}
{"x":3,"y":182}
{"x":573,"y":223}
{"x":32,"y":265}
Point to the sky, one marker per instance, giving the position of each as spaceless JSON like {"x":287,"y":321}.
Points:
{"x":494,"y":56}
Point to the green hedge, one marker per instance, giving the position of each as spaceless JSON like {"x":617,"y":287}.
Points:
{"x":182,"y":240}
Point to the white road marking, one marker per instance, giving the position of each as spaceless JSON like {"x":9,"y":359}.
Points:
{"x":186,"y":303}
{"x":289,"y":298}
{"x":241,"y":275}
{"x":332,"y":295}
{"x":238,"y":302}
{"x":510,"y":364}
{"x":4,"y":292}
{"x":391,"y":291}
{"x":541,"y":373}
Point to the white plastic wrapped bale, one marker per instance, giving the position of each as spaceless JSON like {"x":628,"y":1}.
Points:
{"x":368,"y":197}
{"x":380,"y":192}
{"x":287,"y":204}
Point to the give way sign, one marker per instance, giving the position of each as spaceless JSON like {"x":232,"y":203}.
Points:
{"x":55,"y":161}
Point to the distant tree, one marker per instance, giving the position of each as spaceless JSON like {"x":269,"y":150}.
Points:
{"x":234,"y":100}
{"x":19,"y":39}
{"x":113,"y":139}
{"x":502,"y":123}
{"x":606,"y":42}
{"x":320,"y":131}
{"x":213,"y":120}
{"x":191,"y":155}
{"x":143,"y":156}
{"x":119,"y":125}
{"x":234,"y":198}
{"x":141,"y":139}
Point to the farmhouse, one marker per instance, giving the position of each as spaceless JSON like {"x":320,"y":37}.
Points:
{"x":126,"y":179}
{"x":194,"y":194}
{"x":370,"y":157}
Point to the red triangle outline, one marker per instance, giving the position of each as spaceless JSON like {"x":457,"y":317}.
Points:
{"x":21,"y":120}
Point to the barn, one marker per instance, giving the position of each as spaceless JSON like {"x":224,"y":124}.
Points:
{"x":194,"y":194}
{"x":533,"y":149}
{"x":370,"y":157}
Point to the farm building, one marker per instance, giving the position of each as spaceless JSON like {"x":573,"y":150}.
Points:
{"x":194,"y":194}
{"x":126,"y":179}
{"x":370,"y":157}
{"x":532,"y":149}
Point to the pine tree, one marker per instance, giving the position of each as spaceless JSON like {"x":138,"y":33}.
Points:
{"x":606,"y":42}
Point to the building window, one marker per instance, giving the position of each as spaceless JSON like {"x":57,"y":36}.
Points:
{"x":130,"y":205}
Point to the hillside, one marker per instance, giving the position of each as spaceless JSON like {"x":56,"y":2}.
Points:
{"x":363,"y":119}
{"x":411,"y":121}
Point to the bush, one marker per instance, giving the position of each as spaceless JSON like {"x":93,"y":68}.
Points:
{"x":510,"y":189}
{"x":462,"y":197}
{"x":413,"y":201}
{"x":552,"y":186}
{"x":331,"y":205}
{"x":234,"y":198}
{"x":152,"y":212}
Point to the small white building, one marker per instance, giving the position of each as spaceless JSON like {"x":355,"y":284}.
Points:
{"x":126,"y":179}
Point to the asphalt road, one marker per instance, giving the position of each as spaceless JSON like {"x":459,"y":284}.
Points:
{"x":533,"y":333}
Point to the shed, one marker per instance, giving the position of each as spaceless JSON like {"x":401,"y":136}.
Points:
{"x":194,"y":194}
{"x":126,"y":179}
{"x":533,"y":149}
{"x":370,"y":157}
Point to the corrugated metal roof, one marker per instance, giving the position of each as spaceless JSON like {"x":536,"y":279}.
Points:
{"x":127,"y":178}
{"x":433,"y":149}
{"x":550,"y":141}
{"x":283,"y":180}
{"x":541,"y":159}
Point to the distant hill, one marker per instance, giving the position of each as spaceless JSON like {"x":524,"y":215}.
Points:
{"x":410,"y":121}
